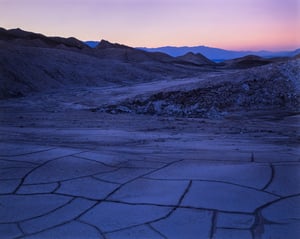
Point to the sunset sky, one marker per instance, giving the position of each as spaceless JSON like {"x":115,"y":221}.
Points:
{"x":229,"y":24}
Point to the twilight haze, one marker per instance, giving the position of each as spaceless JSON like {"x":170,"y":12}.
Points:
{"x":230,"y":24}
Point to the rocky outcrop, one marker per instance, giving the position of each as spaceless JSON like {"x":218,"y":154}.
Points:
{"x":269,"y":87}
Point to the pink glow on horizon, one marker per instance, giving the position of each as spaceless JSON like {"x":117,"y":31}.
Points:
{"x":228,"y":24}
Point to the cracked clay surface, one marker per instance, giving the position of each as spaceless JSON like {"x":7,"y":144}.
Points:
{"x":135,"y":176}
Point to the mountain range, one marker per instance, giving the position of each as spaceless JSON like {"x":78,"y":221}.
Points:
{"x":214,"y":54}
{"x":218,"y":54}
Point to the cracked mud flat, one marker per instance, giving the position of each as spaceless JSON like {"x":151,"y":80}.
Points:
{"x":68,"y":172}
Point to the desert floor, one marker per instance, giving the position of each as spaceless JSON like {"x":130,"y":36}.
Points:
{"x":69,"y":171}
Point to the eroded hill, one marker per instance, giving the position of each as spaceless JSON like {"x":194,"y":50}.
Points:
{"x":190,"y":85}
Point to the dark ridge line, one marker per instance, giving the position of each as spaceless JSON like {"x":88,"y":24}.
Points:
{"x":271,"y":177}
{"x":61,"y":181}
{"x":104,"y":181}
{"x":252,"y":157}
{"x":213,"y":224}
{"x":53,"y":210}
{"x":181,"y":206}
{"x":257,"y":228}
{"x":35,"y":168}
{"x":50,"y":228}
{"x":215,"y":181}
{"x":217,"y":210}
{"x":186,"y":191}
{"x":277,"y":200}
{"x":118,"y":188}
{"x":146,"y":224}
{"x":8,"y":194}
{"x":155,"y":230}
{"x":33,"y":193}
{"x":20,"y":228}
{"x":54,"y":193}
{"x":80,"y":177}
{"x":259,"y":219}
{"x":172,"y":210}
{"x":95,"y":176}
{"x":78,"y":196}
{"x":138,"y":177}
{"x":128,"y":227}
{"x":56,"y":188}
{"x":28,"y":173}
{"x":93,"y":226}
{"x":95,"y":161}
{"x":243,"y":213}
{"x":141,"y":203}
{"x":39,"y":151}
{"x":141,"y":224}
{"x":69,"y":179}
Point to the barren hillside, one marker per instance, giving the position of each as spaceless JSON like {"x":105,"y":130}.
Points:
{"x":31,"y":62}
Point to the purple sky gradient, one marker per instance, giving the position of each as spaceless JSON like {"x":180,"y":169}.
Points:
{"x":230,"y":24}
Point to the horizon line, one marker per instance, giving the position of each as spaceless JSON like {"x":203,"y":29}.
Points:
{"x":283,"y":49}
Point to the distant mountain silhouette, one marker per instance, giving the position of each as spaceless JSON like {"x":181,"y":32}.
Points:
{"x":109,"y":49}
{"x":92,"y":44}
{"x":215,"y":54}
{"x":218,"y":54}
{"x":106,"y":49}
